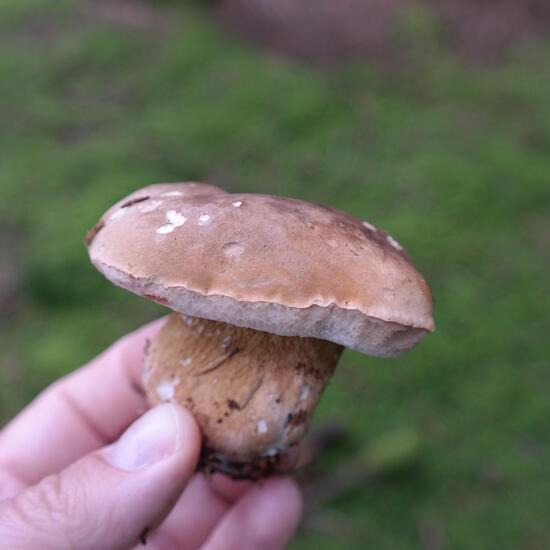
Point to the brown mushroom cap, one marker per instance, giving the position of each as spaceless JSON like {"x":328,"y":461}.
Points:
{"x":268,"y":263}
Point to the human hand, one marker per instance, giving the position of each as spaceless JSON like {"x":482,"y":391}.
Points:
{"x":64,"y":484}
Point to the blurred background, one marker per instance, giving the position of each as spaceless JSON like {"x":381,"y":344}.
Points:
{"x":429,"y":118}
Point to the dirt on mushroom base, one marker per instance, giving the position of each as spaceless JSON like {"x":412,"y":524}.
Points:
{"x":332,"y":31}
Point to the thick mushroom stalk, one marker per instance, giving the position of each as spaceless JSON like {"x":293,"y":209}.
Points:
{"x":252,"y":393}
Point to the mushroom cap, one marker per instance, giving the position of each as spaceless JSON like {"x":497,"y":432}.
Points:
{"x":268,"y":263}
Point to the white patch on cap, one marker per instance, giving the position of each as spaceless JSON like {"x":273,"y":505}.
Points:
{"x":186,"y":362}
{"x":167,"y":388}
{"x":262,"y":426}
{"x":369,"y":226}
{"x":204,"y":219}
{"x":175,"y":219}
{"x":149,"y":206}
{"x":305,"y":392}
{"x":393,"y":242}
{"x":118,"y":214}
{"x":172,"y":194}
{"x":237,"y":204}
{"x":232,"y":250}
{"x":164,"y":229}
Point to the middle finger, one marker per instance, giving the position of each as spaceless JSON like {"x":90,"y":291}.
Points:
{"x":202,"y":505}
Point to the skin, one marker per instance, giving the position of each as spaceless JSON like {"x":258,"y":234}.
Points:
{"x":81,"y":467}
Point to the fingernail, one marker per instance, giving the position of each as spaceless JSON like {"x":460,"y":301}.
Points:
{"x":152,"y":438}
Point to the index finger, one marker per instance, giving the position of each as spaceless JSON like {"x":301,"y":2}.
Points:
{"x":78,"y":414}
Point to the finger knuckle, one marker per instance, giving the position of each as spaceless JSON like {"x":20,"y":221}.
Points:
{"x":56,"y":497}
{"x":54,"y":502}
{"x":47,"y":512}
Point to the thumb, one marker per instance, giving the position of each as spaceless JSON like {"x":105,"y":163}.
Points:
{"x":110,"y":498}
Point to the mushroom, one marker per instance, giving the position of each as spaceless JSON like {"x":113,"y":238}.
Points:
{"x":266,"y":292}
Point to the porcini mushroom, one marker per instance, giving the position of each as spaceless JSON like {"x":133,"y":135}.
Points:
{"x":266,"y":292}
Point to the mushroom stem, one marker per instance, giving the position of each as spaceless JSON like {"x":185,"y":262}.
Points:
{"x":252,"y":393}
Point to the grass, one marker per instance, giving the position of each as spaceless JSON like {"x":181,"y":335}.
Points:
{"x":452,"y":160}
